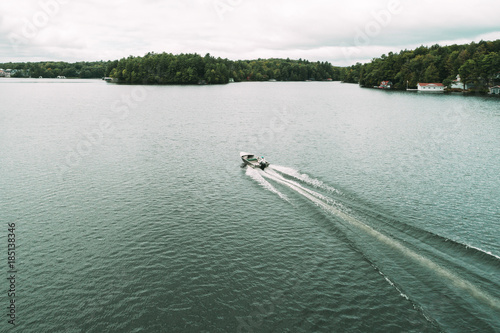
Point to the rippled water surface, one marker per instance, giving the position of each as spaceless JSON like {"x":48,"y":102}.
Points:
{"x":379,"y":213}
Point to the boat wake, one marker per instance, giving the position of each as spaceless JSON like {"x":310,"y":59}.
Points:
{"x":419,"y":264}
{"x":258,"y":177}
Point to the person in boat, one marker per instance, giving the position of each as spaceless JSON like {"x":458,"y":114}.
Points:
{"x":263,"y":162}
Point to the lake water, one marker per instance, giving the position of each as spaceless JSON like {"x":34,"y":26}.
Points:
{"x":380,"y":211}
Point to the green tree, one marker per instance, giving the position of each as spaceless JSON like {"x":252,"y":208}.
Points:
{"x":431,"y":74}
{"x":468,"y":71}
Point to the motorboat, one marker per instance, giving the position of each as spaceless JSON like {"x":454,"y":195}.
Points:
{"x":254,"y":161}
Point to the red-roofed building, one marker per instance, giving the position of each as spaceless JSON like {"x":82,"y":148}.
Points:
{"x":385,"y":85}
{"x":430,"y":87}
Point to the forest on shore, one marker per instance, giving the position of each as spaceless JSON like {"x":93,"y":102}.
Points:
{"x":167,"y":68}
{"x":53,"y":69}
{"x":476,"y":63}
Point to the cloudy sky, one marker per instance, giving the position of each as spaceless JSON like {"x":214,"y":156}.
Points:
{"x":341,"y":32}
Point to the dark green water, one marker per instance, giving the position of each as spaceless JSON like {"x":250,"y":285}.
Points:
{"x":380,"y":212}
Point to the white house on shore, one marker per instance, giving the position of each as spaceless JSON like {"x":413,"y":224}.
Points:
{"x":495,"y":90}
{"x":430,"y":87}
{"x":458,"y":84}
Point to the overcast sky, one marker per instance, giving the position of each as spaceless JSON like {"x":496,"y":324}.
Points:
{"x":341,"y":32}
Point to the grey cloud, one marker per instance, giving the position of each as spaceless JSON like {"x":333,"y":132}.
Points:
{"x":239,"y":29}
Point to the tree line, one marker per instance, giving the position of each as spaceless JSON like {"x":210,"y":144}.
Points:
{"x":167,"y":68}
{"x":52,"y":69}
{"x":476,"y":63}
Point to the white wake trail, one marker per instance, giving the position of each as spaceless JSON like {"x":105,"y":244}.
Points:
{"x":293,"y":183}
{"x":257,"y":176}
{"x":326,"y":199}
{"x":304,"y":177}
{"x":455,"y":280}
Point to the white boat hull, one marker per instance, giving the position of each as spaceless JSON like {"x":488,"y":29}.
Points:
{"x":254,"y":161}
